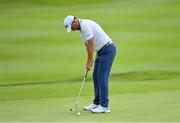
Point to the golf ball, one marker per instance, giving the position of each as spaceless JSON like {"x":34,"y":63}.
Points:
{"x":78,"y":113}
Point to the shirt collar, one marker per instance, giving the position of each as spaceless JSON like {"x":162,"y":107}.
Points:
{"x":80,"y":22}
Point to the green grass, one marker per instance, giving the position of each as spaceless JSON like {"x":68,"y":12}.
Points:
{"x":130,"y":101}
{"x":41,"y":66}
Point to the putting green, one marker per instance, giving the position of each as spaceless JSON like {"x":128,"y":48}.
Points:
{"x":129,"y":101}
{"x":41,"y":67}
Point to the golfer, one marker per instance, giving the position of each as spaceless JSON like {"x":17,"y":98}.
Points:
{"x":95,"y":40}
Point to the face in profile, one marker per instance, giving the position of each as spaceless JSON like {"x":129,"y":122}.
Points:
{"x":75,"y":24}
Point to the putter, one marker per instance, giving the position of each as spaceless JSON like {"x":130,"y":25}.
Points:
{"x":76,"y":105}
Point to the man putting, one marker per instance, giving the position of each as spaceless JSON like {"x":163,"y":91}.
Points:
{"x":95,"y":40}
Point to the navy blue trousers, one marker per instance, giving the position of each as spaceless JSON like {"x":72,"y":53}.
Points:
{"x":102,"y":67}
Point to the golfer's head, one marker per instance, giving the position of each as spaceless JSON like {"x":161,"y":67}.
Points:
{"x":71,"y":23}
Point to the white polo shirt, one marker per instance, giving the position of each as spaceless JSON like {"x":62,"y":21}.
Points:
{"x":90,"y":29}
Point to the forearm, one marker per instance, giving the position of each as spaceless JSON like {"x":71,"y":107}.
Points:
{"x":90,"y":51}
{"x":90,"y":58}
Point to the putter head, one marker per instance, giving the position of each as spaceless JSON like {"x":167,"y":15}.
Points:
{"x":75,"y":111}
{"x":72,"y":109}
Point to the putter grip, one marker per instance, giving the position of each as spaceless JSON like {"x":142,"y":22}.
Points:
{"x":85,"y":74}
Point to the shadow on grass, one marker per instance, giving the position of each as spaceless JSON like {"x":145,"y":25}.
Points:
{"x":143,"y":76}
{"x":129,"y":76}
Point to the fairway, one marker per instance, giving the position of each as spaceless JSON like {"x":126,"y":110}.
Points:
{"x":42,"y":67}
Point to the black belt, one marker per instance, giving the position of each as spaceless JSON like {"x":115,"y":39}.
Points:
{"x":99,"y":51}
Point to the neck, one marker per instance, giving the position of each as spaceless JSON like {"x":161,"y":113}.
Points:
{"x":79,"y":28}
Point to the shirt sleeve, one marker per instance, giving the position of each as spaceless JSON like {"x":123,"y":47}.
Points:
{"x":88,"y":33}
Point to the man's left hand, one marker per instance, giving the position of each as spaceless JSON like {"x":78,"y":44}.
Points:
{"x":89,"y":65}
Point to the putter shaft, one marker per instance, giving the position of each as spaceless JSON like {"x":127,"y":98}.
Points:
{"x":76,"y":105}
